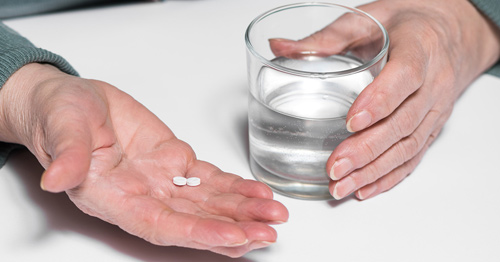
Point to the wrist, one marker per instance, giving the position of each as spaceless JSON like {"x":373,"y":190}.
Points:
{"x":490,"y":42}
{"x":18,"y":118}
{"x":495,"y":32}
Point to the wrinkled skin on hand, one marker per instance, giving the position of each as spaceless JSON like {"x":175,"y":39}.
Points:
{"x":116,"y":160}
{"x":437,"y":48}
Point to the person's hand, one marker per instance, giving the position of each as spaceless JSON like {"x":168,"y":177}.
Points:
{"x":437,"y":48}
{"x":116,"y":160}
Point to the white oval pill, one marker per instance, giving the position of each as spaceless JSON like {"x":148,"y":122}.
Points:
{"x":180,"y":180}
{"x":193,"y":181}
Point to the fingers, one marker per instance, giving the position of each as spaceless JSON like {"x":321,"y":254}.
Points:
{"x":258,"y":236}
{"x":395,"y":176}
{"x":154,"y":221}
{"x":403,"y":74}
{"x":246,"y":209}
{"x":391,"y":99}
{"x":390,"y":180}
{"x":165,"y":226}
{"x":394,"y":164}
{"x":397,"y":109}
{"x":364,"y":147}
{"x":228,"y":195}
{"x":229,"y":183}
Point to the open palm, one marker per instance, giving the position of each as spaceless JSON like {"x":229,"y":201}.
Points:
{"x":116,"y":160}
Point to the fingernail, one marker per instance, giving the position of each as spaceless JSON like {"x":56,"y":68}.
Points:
{"x":280,"y":39}
{"x":260,"y":244}
{"x":340,"y":168}
{"x":364,"y":193}
{"x":238,"y":244}
{"x":359,"y":121}
{"x":347,"y":186}
{"x":41,"y":182}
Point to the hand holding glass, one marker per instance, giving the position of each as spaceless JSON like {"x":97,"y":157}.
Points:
{"x":299,"y":99}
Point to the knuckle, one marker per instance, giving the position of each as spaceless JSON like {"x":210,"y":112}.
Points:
{"x":403,"y":123}
{"x":374,"y":172}
{"x":408,"y":167}
{"x":395,"y":127}
{"x":433,"y":35}
{"x":364,"y":177}
{"x":400,"y":152}
{"x":383,"y":106}
{"x":412,"y":145}
{"x":318,"y":37}
{"x":407,"y":148}
{"x":368,"y":150}
{"x":358,"y":179}
{"x":448,"y":75}
{"x":446,"y":80}
{"x":410,"y":70}
{"x":435,"y":114}
{"x":411,"y":74}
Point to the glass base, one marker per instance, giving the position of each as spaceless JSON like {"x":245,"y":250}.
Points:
{"x":290,"y":188}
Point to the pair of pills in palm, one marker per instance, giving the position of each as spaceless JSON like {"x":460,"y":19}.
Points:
{"x":182,"y":181}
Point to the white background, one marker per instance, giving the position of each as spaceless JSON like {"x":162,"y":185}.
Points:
{"x":185,"y":60}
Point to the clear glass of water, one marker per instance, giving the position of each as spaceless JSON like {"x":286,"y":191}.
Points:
{"x":299,"y":100}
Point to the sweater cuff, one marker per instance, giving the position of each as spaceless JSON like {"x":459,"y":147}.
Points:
{"x":13,"y":59}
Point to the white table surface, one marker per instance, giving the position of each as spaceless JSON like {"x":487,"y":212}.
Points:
{"x":185,"y":60}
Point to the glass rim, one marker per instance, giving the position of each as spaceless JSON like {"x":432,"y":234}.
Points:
{"x":269,"y":63}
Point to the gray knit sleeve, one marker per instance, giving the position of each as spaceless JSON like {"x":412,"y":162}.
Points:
{"x":490,"y":8}
{"x":16,"y":8}
{"x":15,"y":52}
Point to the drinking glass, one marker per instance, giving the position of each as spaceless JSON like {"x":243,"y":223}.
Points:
{"x":299,"y":97}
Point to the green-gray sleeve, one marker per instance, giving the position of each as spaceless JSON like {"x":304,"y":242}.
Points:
{"x":490,"y":8}
{"x":15,"y":52}
{"x":16,"y":8}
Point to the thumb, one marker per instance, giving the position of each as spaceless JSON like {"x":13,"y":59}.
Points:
{"x":348,"y":32}
{"x":69,"y":167}
{"x":295,"y":49}
{"x":304,"y":47}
